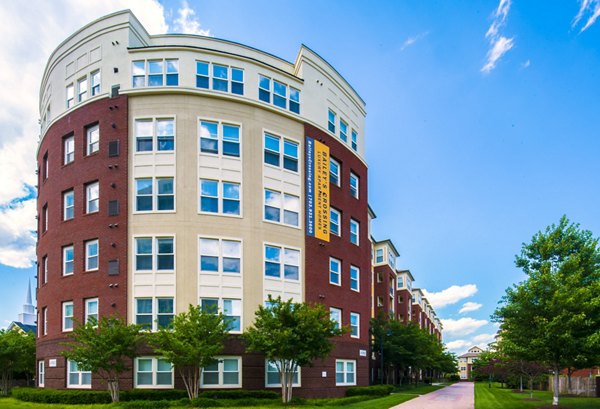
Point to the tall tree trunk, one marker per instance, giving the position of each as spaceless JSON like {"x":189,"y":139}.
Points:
{"x":556,"y":385}
{"x":521,"y":381}
{"x":113,"y":388}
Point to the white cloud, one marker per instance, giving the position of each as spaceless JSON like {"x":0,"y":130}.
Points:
{"x":458,"y":345}
{"x":526,"y":64}
{"x":462,"y":326}
{"x":592,"y":9}
{"x":483,"y":339}
{"x":469,"y":306}
{"x":450,"y":295}
{"x":499,"y":44}
{"x":17,"y":240}
{"x":186,"y":23}
{"x":411,"y":40}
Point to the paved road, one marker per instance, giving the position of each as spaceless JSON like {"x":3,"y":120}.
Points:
{"x":457,"y":396}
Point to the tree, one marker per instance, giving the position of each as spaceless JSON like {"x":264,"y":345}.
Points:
{"x":105,"y":347}
{"x":191,"y":342}
{"x":554,"y":315}
{"x":291,"y":335}
{"x":17,"y":354}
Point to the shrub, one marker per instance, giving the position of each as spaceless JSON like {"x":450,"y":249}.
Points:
{"x":204,"y":403}
{"x":149,"y":394}
{"x":375,"y":390}
{"x":239,"y":394}
{"x":70,"y":397}
{"x":145,"y":404}
{"x":453,"y":378}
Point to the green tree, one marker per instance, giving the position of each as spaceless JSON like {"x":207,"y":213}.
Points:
{"x":105,"y":347}
{"x":190,"y":343}
{"x":17,"y":355}
{"x":291,"y":335}
{"x":554,"y":315}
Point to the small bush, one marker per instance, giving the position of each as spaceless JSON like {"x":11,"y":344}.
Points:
{"x":375,"y":390}
{"x":204,"y":403}
{"x":239,"y":394}
{"x":69,"y":397}
{"x":453,"y":378}
{"x":145,"y":404}
{"x":149,"y":394}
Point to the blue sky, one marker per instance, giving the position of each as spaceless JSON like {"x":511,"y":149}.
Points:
{"x":482,"y":124}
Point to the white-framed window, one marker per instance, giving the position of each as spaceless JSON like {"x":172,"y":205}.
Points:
{"x":219,"y":138}
{"x":68,"y":205}
{"x":354,"y":231}
{"x":69,"y":149}
{"x":354,"y":325}
{"x":77,"y":378}
{"x":82,"y":89}
{"x":230,"y":308}
{"x":354,"y":278}
{"x":220,"y":256}
{"x":335,"y":271}
{"x":354,"y":140}
{"x":335,"y":220}
{"x":67,"y":316}
{"x":155,"y":73}
{"x":70,"y":96}
{"x":67,"y":260}
{"x":95,"y":80}
{"x":334,"y":172}
{"x":273,"y":151}
{"x":282,"y":262}
{"x":225,"y":372}
{"x":343,"y":130}
{"x":153,"y":372}
{"x":379,"y":301}
{"x":391,"y":260}
{"x":224,"y":78}
{"x":155,"y":194}
{"x":155,"y":134}
{"x":45,"y":166}
{"x":400,"y":282}
{"x":91,"y":309}
{"x":154,"y":313}
{"x":45,"y":320}
{"x":345,"y":372}
{"x":273,"y":378}
{"x":92,"y":139}
{"x":219,"y":197}
{"x":154,"y":253}
{"x":45,"y":218}
{"x":284,"y":96}
{"x":277,"y":203}
{"x":45,"y":269}
{"x":331,"y":121}
{"x":91,"y":255}
{"x":354,"y":184}
{"x":92,"y":197}
{"x":379,"y":256}
{"x":335,"y":314}
{"x":41,"y":373}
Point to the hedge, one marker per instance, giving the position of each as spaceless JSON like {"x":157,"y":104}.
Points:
{"x":147,"y":404}
{"x":151,"y":394}
{"x":375,"y":390}
{"x":238,"y":394}
{"x":70,"y":397}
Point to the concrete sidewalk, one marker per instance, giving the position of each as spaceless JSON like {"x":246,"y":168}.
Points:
{"x":458,"y":396}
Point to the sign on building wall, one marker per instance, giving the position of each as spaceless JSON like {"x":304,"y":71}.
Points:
{"x":317,"y":189}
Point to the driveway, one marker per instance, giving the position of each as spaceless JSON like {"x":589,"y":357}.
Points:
{"x":457,"y":396}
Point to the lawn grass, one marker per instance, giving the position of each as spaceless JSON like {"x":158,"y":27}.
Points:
{"x":500,"y":398}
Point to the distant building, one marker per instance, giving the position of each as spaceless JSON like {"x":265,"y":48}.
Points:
{"x":26,"y":319}
{"x":465,"y":362}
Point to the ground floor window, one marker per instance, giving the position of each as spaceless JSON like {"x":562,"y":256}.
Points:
{"x":41,"y":373}
{"x":76,"y":377}
{"x":151,"y":372}
{"x":273,"y":379}
{"x":225,"y":372}
{"x":345,"y":372}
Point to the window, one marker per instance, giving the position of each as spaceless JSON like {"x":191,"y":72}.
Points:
{"x":379,"y":256}
{"x":153,"y":373}
{"x":354,"y":230}
{"x":45,"y":269}
{"x":91,"y":309}
{"x":67,"y":314}
{"x":335,"y":314}
{"x":281,"y":97}
{"x":45,"y":166}
{"x":331,"y":121}
{"x":273,"y":150}
{"x":230,"y":308}
{"x":391,"y":260}
{"x":264,"y":89}
{"x":354,"y":278}
{"x":353,"y":185}
{"x":68,"y":260}
{"x":220,"y":256}
{"x":335,"y":267}
{"x":354,"y":325}
{"x":155,"y":132}
{"x":68,"y":205}
{"x":92,"y":194}
{"x":218,"y":137}
{"x":45,"y":320}
{"x":146,"y":247}
{"x":220,"y":197}
{"x":93,"y":139}
{"x":69,"y":149}
{"x":154,"y":313}
{"x":274,"y":205}
{"x":165,"y":194}
{"x":225,"y":372}
{"x":91,"y":255}
{"x":45,"y":218}
{"x":295,"y":100}
{"x":41,"y":373}
{"x":70,"y":96}
{"x":281,"y":262}
{"x":279,"y":94}
{"x":221,"y":75}
{"x":273,"y":378}
{"x":76,"y":377}
{"x":379,"y":301}
{"x":95,"y":79}
{"x":343,"y":130}
{"x":82,"y":89}
{"x":155,"y":73}
{"x":400,"y":282}
{"x":334,"y":172}
{"x":334,"y":221}
{"x":344,"y":372}
{"x":354,"y":142}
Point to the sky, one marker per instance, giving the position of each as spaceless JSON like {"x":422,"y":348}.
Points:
{"x":482,"y":124}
